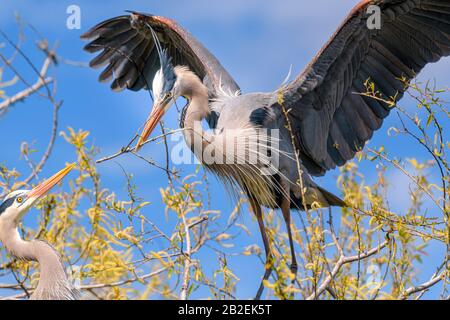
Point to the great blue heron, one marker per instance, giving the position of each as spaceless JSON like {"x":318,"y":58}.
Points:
{"x":53,"y":282}
{"x":322,"y":120}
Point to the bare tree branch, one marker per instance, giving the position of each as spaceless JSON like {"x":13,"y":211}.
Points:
{"x":20,"y":96}
{"x":343,"y":260}
{"x":422,"y":288}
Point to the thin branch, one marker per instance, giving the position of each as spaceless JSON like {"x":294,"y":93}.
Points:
{"x":50,"y":145}
{"x":25,"y":93}
{"x":123,"y":282}
{"x":424,"y":286}
{"x":129,"y":149}
{"x":406,"y":173}
{"x":343,"y":260}
{"x":187,"y":259}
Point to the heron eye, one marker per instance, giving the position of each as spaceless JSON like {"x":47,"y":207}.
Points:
{"x":19,"y":200}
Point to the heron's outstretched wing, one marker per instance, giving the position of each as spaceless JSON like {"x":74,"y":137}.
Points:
{"x":331,"y":122}
{"x":131,"y":59}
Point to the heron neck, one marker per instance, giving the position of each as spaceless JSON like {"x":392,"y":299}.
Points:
{"x":53,"y":282}
{"x":195,"y":112}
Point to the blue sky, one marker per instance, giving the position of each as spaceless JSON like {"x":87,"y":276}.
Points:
{"x":256,"y":41}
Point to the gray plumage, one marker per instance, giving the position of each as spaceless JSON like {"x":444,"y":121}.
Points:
{"x":330,"y":121}
{"x":129,"y":52}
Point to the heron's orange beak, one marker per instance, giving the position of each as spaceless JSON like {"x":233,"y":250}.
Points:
{"x":157,"y":113}
{"x":45,"y":186}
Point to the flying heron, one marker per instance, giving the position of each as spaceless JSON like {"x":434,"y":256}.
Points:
{"x":321,"y":119}
{"x":53,"y":282}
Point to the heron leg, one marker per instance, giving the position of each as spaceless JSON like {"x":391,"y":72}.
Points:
{"x":286,"y":210}
{"x":256,"y":208}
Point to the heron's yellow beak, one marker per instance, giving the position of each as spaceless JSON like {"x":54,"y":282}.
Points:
{"x":155,"y":116}
{"x":45,"y":186}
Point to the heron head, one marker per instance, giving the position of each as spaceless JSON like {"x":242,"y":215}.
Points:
{"x":164,"y":90}
{"x":18,"y":202}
